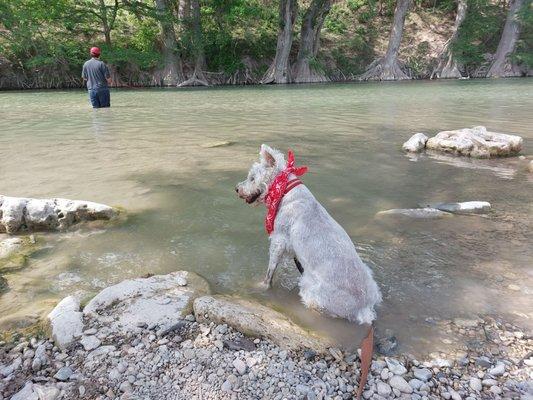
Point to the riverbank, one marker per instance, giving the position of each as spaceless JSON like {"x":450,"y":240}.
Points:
{"x":209,"y":361}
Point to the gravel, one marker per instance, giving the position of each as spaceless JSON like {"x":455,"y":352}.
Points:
{"x":192,"y":361}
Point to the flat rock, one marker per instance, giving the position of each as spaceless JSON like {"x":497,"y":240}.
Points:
{"x":65,"y":322}
{"x":20,"y":214}
{"x":416,"y":213}
{"x":255,"y":319}
{"x":157,"y":301}
{"x":475,"y":142}
{"x":465,"y":207}
{"x":416,"y":143}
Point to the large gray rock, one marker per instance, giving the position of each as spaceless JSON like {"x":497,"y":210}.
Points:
{"x":19,"y":214}
{"x":257,"y":320}
{"x":475,"y":142}
{"x":65,"y":322}
{"x":159,"y":300}
{"x":416,"y":143}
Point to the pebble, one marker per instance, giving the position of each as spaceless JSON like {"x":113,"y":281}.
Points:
{"x":63,"y":374}
{"x":401,"y":384}
{"x":90,"y":342}
{"x":498,"y":370}
{"x":475,"y":384}
{"x":240,"y":366}
{"x":383,"y":389}
{"x":423,"y":374}
{"x":395,"y":366}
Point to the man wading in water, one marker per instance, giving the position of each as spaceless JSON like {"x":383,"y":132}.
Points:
{"x":96,"y":73}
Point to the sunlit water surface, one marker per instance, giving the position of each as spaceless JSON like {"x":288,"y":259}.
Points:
{"x":146,"y":154}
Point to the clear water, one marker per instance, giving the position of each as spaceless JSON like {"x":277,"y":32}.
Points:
{"x":146,"y":155}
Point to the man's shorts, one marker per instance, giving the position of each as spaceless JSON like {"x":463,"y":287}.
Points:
{"x":100,"y":97}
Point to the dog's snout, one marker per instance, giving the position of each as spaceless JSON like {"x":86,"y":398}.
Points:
{"x":237,"y":189}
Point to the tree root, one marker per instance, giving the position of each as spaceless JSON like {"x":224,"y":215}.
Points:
{"x":380,"y":70}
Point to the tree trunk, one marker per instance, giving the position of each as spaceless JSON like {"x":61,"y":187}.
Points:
{"x":198,"y":77}
{"x":388,"y":68}
{"x":172,"y":72}
{"x":279,"y":71}
{"x":184,"y":9}
{"x":448,"y":67}
{"x":502,"y":66}
{"x":310,"y":42}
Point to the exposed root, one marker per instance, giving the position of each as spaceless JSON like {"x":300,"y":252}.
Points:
{"x":197,"y":79}
{"x":380,"y":70}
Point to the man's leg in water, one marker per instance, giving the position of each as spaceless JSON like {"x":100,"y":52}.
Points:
{"x":93,"y":97}
{"x":104,"y":97}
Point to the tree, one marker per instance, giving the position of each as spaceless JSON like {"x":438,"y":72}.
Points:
{"x":198,"y":77}
{"x":172,"y":73}
{"x":388,"y":68}
{"x":502,"y":65}
{"x":106,"y":14}
{"x":310,"y":42}
{"x":279,"y":71}
{"x":448,"y":67}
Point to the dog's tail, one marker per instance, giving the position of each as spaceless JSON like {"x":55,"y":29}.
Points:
{"x":367,"y":349}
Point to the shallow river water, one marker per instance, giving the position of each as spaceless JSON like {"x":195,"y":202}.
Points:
{"x":147,"y":154}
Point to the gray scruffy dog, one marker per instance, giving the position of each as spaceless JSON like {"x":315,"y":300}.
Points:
{"x":334,"y":280}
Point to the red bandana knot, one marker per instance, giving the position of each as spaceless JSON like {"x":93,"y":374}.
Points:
{"x":279,"y":187}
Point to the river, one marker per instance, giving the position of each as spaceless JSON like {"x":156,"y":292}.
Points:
{"x":149,"y":154}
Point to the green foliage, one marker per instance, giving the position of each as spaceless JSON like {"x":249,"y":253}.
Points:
{"x":479,"y":34}
{"x":524,"y":49}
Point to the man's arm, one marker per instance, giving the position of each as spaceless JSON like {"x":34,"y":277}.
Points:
{"x":83,"y":75}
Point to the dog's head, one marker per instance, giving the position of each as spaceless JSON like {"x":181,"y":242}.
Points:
{"x":261,"y":174}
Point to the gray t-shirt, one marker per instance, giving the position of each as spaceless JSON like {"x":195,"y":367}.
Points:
{"x":96,"y":73}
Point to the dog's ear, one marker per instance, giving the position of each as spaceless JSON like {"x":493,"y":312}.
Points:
{"x":267,"y":155}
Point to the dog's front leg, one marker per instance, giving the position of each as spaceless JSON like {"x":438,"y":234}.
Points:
{"x":277,"y":248}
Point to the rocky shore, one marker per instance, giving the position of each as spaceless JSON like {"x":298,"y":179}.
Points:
{"x":167,"y":337}
{"x":208,"y":361}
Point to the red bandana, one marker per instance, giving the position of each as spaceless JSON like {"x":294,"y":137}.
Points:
{"x":279,"y":187}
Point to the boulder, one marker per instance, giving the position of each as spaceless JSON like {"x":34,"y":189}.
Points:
{"x":257,"y":320}
{"x":417,"y":213}
{"x":65,"y":322}
{"x":416,"y":143}
{"x":475,"y":142}
{"x":19,"y":214}
{"x":157,"y":301}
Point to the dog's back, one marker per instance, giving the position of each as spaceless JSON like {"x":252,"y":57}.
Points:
{"x":335,"y":279}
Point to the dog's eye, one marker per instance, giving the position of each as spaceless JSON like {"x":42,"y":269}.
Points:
{"x":252,"y":179}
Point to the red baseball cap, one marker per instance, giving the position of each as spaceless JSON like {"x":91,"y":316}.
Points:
{"x":95,"y":51}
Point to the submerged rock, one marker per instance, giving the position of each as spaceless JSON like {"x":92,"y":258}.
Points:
{"x":255,"y":319}
{"x":157,"y":301}
{"x":462,"y":208}
{"x":221,"y":143}
{"x":416,"y":143}
{"x":419,"y":213}
{"x":19,"y":214}
{"x":475,"y":142}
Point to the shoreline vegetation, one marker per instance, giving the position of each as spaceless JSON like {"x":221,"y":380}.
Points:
{"x":149,"y":43}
